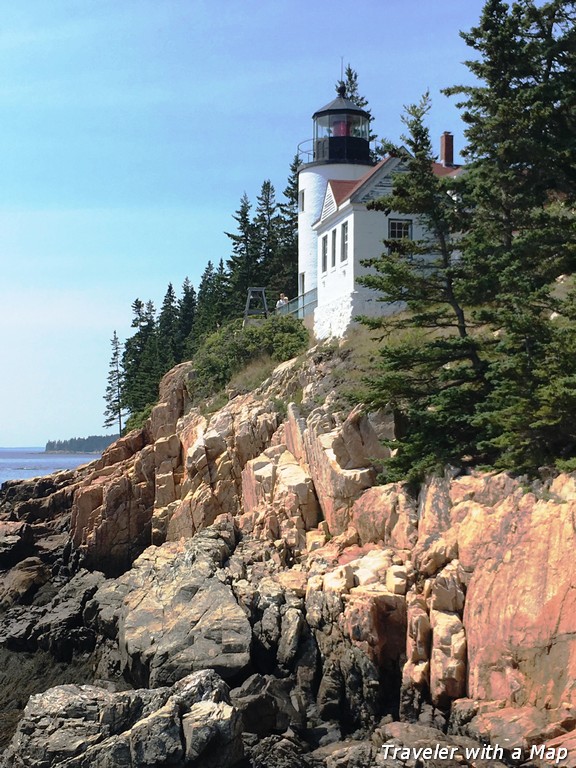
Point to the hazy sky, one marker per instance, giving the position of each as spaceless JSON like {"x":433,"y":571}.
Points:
{"x":129,"y":130}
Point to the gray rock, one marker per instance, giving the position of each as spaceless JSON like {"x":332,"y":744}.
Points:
{"x":266,"y":704}
{"x":213,"y":735}
{"x":173,"y":613}
{"x":88,"y":727}
{"x":57,"y":626}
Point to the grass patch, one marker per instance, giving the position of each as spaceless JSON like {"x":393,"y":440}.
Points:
{"x":252,"y":375}
{"x":254,"y":350}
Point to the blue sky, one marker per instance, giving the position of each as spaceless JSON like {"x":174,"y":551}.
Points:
{"x":129,"y":132}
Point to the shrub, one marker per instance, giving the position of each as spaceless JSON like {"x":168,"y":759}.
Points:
{"x":233,"y":347}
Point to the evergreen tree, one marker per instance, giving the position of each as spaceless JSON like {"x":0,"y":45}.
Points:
{"x":521,"y":232}
{"x":284,"y":269}
{"x":114,"y":411}
{"x":244,"y":266}
{"x":213,"y":305}
{"x":266,"y":225}
{"x":204,"y":321}
{"x":431,"y":371}
{"x":168,"y":331}
{"x":221,"y":298}
{"x":186,"y":317}
{"x":140,"y":360}
{"x":350,"y":82}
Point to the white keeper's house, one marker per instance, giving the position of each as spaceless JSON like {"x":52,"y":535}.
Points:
{"x":335,"y":229}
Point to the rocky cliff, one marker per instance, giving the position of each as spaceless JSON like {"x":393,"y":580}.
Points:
{"x":233,"y":589}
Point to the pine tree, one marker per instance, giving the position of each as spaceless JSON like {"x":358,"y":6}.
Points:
{"x":212,"y":306}
{"x":114,"y":411}
{"x":186,"y":318}
{"x":222,"y":306}
{"x":140,"y":360}
{"x":244,"y":266}
{"x":431,"y":371}
{"x":350,"y":83}
{"x":267,"y":233}
{"x":285,"y":267}
{"x":520,"y":235}
{"x":168,"y":331}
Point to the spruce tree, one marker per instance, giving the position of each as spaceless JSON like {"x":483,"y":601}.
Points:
{"x":140,"y":360}
{"x":167,"y":331}
{"x":244,"y":265}
{"x":186,"y":318}
{"x":114,"y":411}
{"x":432,"y":372}
{"x":520,"y":234}
{"x":285,"y":267}
{"x":350,"y":83}
{"x":212,"y":305}
{"x":267,"y":233}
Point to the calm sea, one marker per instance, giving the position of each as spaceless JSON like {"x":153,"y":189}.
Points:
{"x":23,"y":463}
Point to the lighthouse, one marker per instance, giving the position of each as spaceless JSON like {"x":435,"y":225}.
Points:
{"x":341,"y":152}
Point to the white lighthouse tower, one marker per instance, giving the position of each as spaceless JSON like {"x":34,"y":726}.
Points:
{"x":341,"y":151}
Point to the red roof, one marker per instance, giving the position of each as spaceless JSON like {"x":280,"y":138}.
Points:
{"x":343,"y":190}
{"x":446,"y":170}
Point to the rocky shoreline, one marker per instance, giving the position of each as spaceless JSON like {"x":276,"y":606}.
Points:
{"x":234,"y":589}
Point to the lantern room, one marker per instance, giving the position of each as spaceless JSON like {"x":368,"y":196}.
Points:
{"x":341,"y":132}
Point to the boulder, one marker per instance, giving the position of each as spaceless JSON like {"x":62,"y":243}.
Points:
{"x":175,"y":614}
{"x":337,"y":488}
{"x":386,"y":514}
{"x":89,"y":727}
{"x":16,"y":542}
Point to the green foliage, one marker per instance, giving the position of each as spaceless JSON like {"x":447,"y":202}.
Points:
{"x":431,"y":369}
{"x":90,"y":444}
{"x":114,"y":411}
{"x":187,"y":307}
{"x":228,"y":350}
{"x":520,"y":232}
{"x":140,"y":360}
{"x":138,"y":419}
{"x":264,"y":253}
{"x":496,"y":385}
{"x":168,"y":331}
{"x":350,"y":83}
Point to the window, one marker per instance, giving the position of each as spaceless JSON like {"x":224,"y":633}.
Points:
{"x":399,"y":229}
{"x":333,"y":250}
{"x":344,"y":242}
{"x":301,"y":283}
{"x":324,"y":253}
{"x":301,"y":201}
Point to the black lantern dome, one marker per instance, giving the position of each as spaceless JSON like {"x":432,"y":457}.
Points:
{"x":341,"y":132}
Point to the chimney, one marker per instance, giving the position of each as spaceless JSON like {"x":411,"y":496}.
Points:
{"x":447,"y":148}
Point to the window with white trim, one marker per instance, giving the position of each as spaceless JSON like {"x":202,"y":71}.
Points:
{"x":333,"y":250}
{"x":344,"y":241}
{"x":325,"y":253}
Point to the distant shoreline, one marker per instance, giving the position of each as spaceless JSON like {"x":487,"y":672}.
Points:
{"x":77,"y":453}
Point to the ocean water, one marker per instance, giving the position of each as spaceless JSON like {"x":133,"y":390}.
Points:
{"x":24,"y":463}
